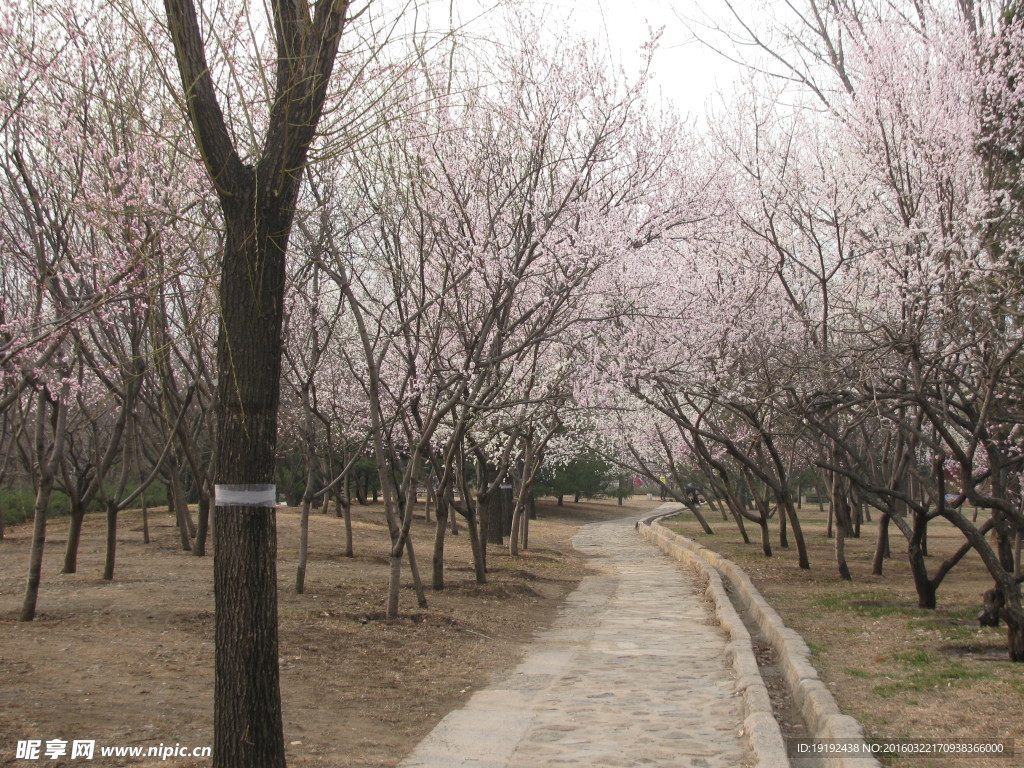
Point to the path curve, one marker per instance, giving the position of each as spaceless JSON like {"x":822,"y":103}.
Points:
{"x":633,"y":672}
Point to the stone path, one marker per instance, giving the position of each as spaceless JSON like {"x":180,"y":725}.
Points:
{"x":633,"y":673}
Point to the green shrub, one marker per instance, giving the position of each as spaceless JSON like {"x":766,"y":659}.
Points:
{"x":16,"y":505}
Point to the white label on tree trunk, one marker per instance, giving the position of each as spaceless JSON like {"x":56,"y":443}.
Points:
{"x":245,"y":495}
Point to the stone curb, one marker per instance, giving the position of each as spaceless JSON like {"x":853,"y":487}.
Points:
{"x":812,"y":697}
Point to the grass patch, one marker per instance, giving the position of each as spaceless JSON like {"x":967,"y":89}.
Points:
{"x":929,"y":673}
{"x":816,"y":649}
{"x":914,"y":658}
{"x":867,"y":604}
{"x":863,"y":674}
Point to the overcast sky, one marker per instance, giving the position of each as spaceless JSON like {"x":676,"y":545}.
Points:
{"x":685,"y":71}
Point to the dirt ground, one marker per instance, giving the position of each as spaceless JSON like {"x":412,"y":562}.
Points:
{"x":130,"y":662}
{"x":902,"y":671}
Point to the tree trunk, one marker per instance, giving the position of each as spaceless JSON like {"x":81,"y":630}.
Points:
{"x":48,"y":461}
{"x":180,"y":508}
{"x":516,"y":531}
{"x":476,"y":542}
{"x":35,"y":564}
{"x":203,"y":529}
{"x":145,"y":521}
{"x":507,"y":504}
{"x":74,"y":537}
{"x":394,"y":582}
{"x":247,"y":709}
{"x":697,"y":514}
{"x":248,"y":732}
{"x":841,"y":510}
{"x":766,"y":538}
{"x":307,"y":503}
{"x":734,"y":505}
{"x":881,"y":546}
{"x":108,"y":565}
{"x":441,"y":526}
{"x":345,"y":507}
{"x":798,"y":534}
{"x":258,"y":202}
{"x":414,"y":570}
{"x":490,"y":518}
{"x":300,"y":571}
{"x":926,"y":592}
{"x":926,"y":589}
{"x":1015,"y":641}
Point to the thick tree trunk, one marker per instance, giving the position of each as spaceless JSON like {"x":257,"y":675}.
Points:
{"x":247,"y":702}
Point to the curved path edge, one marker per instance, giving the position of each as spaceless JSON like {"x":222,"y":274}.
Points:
{"x":819,"y":709}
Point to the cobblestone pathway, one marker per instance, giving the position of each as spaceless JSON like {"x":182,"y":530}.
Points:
{"x":633,"y":673}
